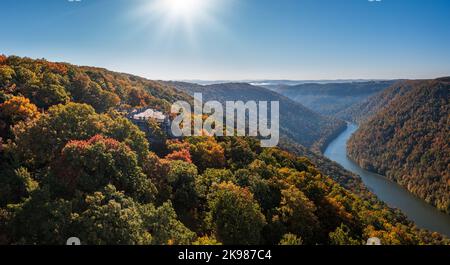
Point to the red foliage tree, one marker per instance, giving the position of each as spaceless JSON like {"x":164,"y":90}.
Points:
{"x":3,"y":59}
{"x":57,"y":68}
{"x":182,"y":155}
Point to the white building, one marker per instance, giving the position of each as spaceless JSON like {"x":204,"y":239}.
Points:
{"x":148,"y":114}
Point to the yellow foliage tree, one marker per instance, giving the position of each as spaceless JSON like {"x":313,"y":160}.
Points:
{"x":15,"y":110}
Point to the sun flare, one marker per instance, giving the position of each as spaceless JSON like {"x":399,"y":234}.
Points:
{"x":184,"y":11}
{"x":180,"y":19}
{"x":183,"y":8}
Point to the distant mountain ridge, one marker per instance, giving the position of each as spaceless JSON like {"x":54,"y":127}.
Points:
{"x":332,"y":98}
{"x":362,"y":110}
{"x":296,"y":121}
{"x":275,"y":82}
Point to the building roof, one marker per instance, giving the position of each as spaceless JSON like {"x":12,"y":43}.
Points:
{"x":149,"y":113}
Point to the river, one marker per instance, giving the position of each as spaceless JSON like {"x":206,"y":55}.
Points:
{"x":417,"y":210}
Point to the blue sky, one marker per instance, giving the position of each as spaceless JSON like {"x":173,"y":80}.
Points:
{"x":236,"y":39}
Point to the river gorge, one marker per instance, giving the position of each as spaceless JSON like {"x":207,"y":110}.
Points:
{"x":417,"y":210}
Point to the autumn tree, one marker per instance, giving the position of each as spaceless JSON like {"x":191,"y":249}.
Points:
{"x":98,"y":98}
{"x":139,"y":98}
{"x":266,"y":192}
{"x":341,"y":236}
{"x":177,"y":145}
{"x":3,"y":59}
{"x":40,"y":220}
{"x":15,"y":184}
{"x":18,"y":109}
{"x":44,"y":93}
{"x":211,"y":176}
{"x":123,"y":130}
{"x":235,"y":215}
{"x":108,"y":217}
{"x":58,"y":68}
{"x":164,"y":226}
{"x":238,"y":151}
{"x":181,"y":178}
{"x":15,"y":110}
{"x":206,"y":153}
{"x":182,"y":155}
{"x":84,"y":90}
{"x":90,"y":165}
{"x":296,"y":212}
{"x":262,"y":169}
{"x":178,"y":150}
{"x":291,"y":240}
{"x":6,"y":76}
{"x":24,"y":77}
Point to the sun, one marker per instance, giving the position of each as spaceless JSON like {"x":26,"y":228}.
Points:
{"x":183,"y":11}
{"x":183,"y":8}
{"x":179,"y":20}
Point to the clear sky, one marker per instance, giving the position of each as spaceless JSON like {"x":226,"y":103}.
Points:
{"x":235,"y":39}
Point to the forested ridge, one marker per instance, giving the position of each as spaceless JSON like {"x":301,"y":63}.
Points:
{"x":72,"y":165}
{"x":361,"y":111}
{"x":243,"y":91}
{"x":408,"y":139}
{"x":297,"y":122}
{"x":332,"y":98}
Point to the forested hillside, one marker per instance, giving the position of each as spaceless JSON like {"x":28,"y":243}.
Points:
{"x":46,"y":84}
{"x":72,"y":165}
{"x":226,"y":91}
{"x":331,"y":98}
{"x":408,"y":139}
{"x":343,"y":177}
{"x":361,"y":111}
{"x":297,"y":122}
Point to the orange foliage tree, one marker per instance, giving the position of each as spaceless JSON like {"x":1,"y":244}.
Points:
{"x":182,"y":155}
{"x":180,"y":151}
{"x":18,"y":109}
{"x":3,"y":59}
{"x":206,"y":153}
{"x":15,"y":110}
{"x":58,"y":68}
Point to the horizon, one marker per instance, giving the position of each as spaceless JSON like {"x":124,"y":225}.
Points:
{"x":250,"y":81}
{"x":218,"y":40}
